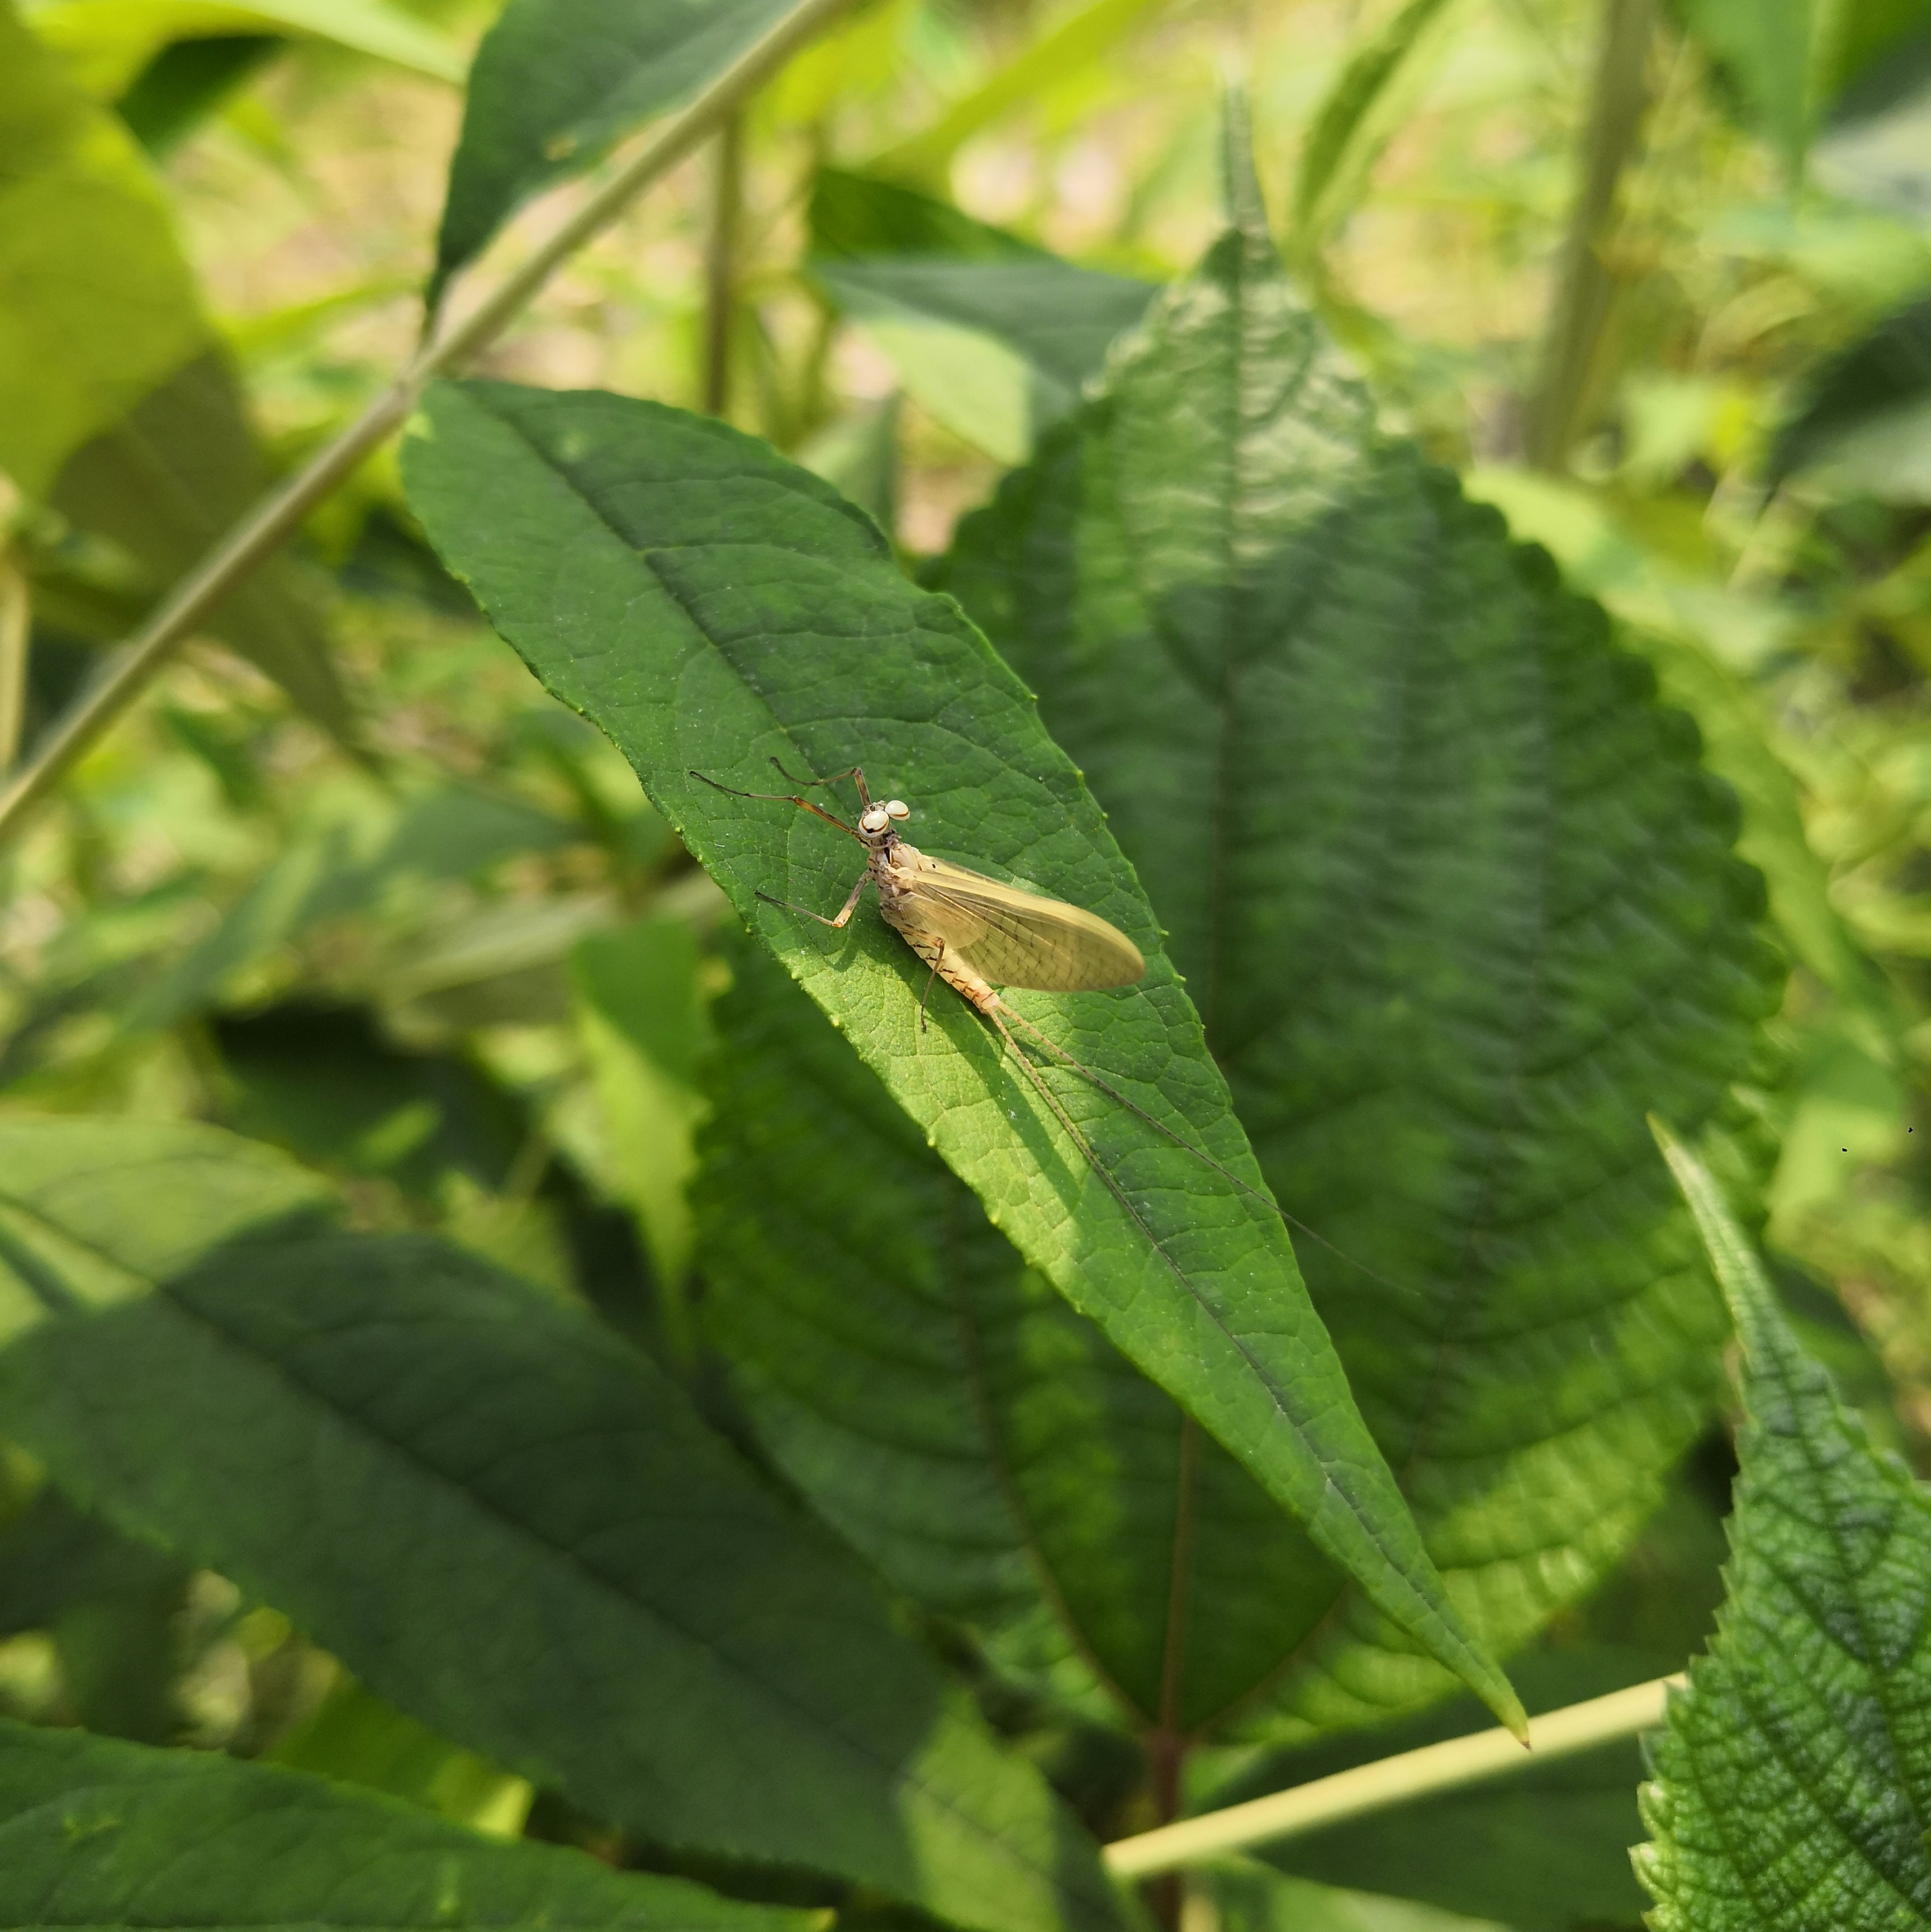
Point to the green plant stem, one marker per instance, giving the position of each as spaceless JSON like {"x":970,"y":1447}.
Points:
{"x":720,"y":264}
{"x":1391,"y":1781}
{"x":15,"y":631}
{"x":1569,"y":364}
{"x":275,"y":518}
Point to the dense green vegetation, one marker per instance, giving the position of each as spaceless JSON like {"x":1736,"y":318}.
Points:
{"x":537,"y":1387}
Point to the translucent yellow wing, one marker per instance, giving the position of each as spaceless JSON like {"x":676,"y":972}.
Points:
{"x":1012,"y":938}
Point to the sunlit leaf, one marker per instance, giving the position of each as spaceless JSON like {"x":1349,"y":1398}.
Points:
{"x":109,"y":42}
{"x":1060,"y":53}
{"x":1362,"y":112}
{"x":1791,"y":1784}
{"x":1455,"y":899}
{"x":556,"y":82}
{"x":1763,"y":47}
{"x":510,"y":1526}
{"x":97,"y":305}
{"x":98,"y":1835}
{"x":985,"y":1446}
{"x":709,"y":605}
{"x":918,"y":273}
{"x":641,"y":1019}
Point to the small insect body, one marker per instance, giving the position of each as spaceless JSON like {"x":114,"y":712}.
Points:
{"x":978,"y":935}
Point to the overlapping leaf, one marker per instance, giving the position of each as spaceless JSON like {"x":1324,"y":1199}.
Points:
{"x":96,"y":1834}
{"x":984,"y":1445}
{"x":514,"y":1529}
{"x":1455,"y":900}
{"x":556,"y":82}
{"x":1793,"y":1784}
{"x":1885,"y":374}
{"x":711,"y":606}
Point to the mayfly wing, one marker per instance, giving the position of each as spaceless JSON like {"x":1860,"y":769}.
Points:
{"x":1016,"y":938}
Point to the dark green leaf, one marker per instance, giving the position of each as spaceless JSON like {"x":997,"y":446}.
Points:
{"x":97,"y":1835}
{"x":164,"y":481}
{"x":1887,"y":371}
{"x":1542,"y":1849}
{"x":887,"y":253}
{"x":186,"y":81}
{"x":985,"y":1446}
{"x":511,"y":1527}
{"x":1764,"y":48}
{"x":52,"y":1555}
{"x":710,"y":605}
{"x":556,"y":82}
{"x":1792,"y":1783}
{"x":1455,"y":900}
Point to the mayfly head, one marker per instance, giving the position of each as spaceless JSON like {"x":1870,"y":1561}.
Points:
{"x":877,"y":822}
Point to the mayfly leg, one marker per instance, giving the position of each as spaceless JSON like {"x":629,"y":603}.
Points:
{"x":1106,"y":1087}
{"x":784,"y":798}
{"x":1073,"y":1134}
{"x":845,"y":911}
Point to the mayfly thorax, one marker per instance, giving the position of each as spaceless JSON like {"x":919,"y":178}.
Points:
{"x":978,"y":935}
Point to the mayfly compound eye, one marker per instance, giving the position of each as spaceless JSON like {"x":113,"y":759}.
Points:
{"x":897,"y":808}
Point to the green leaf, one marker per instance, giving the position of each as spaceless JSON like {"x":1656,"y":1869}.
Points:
{"x":164,"y":482}
{"x":1059,"y":54}
{"x":107,"y":42}
{"x":186,"y":81}
{"x":1543,"y":1849}
{"x":97,"y":1835}
{"x":510,"y":1526}
{"x":97,"y":305}
{"x":1455,"y":900}
{"x":1764,"y":49}
{"x":1791,"y":1786}
{"x":708,"y":604}
{"x":641,"y":1020}
{"x":1886,"y":372}
{"x":916,"y":272}
{"x":93,"y":1212}
{"x":1361,"y":114}
{"x":982,"y":1444}
{"x":354,"y":1736}
{"x":556,"y":82}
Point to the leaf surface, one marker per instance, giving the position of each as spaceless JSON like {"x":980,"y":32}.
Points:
{"x":556,"y":82}
{"x":978,"y":1440}
{"x":1455,"y":900}
{"x":164,"y":482}
{"x":709,"y":605}
{"x":97,"y":305}
{"x":889,"y":255}
{"x":97,"y":1835}
{"x":1791,"y":1787}
{"x":514,"y":1529}
{"x":1885,"y":373}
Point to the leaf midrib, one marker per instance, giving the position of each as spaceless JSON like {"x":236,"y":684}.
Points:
{"x":573,"y":1561}
{"x":1395,"y":1570}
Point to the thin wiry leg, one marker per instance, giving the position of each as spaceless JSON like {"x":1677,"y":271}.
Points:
{"x":864,"y":796}
{"x":782,"y":798}
{"x":929,"y":978}
{"x":845,"y":912}
{"x":1179,"y":1140}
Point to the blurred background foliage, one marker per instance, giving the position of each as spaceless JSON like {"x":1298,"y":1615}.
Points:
{"x":1655,"y":279}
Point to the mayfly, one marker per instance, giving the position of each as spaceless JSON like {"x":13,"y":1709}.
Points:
{"x":977,"y":934}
